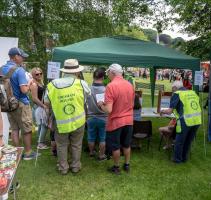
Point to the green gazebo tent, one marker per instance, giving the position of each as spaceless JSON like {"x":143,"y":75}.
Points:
{"x":128,"y":52}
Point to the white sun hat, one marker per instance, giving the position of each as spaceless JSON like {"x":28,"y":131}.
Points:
{"x":71,"y":66}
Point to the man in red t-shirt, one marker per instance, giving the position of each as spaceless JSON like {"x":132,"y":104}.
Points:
{"x":118,"y":103}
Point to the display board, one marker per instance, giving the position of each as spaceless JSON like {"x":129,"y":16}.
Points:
{"x":163,"y":100}
{"x":6,"y":44}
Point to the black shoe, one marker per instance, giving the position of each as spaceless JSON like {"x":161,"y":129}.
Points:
{"x":126,"y":167}
{"x":114,"y":170}
{"x":17,"y":185}
{"x":54,"y":152}
{"x":93,"y":154}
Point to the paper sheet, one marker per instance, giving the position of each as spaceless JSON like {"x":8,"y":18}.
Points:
{"x":100,"y":97}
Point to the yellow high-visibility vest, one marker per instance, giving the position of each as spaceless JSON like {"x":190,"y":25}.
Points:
{"x":67,"y":105}
{"x":191,"y":109}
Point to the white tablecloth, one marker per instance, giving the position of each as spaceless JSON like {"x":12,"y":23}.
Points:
{"x":152,"y":112}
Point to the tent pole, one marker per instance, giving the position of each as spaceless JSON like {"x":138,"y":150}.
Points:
{"x":209,"y":104}
{"x":152,"y":81}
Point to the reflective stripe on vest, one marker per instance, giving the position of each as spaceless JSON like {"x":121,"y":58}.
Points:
{"x":71,"y":119}
{"x":67,"y":105}
{"x":191,"y":107}
{"x":192,"y":115}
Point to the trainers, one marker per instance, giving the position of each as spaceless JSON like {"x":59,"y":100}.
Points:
{"x":42,"y":146}
{"x":166,"y":147}
{"x":103,"y":158}
{"x":126,"y":167}
{"x":75,"y":170}
{"x":93,"y":154}
{"x":114,"y":170}
{"x":17,"y":185}
{"x":64,"y":172}
{"x":30,"y":156}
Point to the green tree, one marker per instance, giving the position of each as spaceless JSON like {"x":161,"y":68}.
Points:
{"x":165,"y":39}
{"x":131,"y":31}
{"x":195,"y":15}
{"x":151,"y":34}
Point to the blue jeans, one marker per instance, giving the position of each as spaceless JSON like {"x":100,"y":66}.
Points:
{"x":137,"y":114}
{"x":183,"y":142}
{"x":41,"y":133}
{"x":96,"y":127}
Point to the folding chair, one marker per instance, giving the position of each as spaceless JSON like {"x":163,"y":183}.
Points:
{"x":142,"y":130}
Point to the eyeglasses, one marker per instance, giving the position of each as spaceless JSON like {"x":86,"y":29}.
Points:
{"x":38,"y":74}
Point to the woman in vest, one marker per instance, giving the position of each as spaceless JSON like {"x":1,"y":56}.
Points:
{"x":39,"y":113}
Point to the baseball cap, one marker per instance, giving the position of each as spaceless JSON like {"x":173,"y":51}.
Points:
{"x":17,"y":51}
{"x":115,"y":67}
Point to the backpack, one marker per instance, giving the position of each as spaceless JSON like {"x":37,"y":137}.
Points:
{"x":8,"y":101}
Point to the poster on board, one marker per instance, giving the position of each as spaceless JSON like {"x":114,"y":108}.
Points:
{"x":6,"y":44}
{"x":198,"y":79}
{"x":53,"y":70}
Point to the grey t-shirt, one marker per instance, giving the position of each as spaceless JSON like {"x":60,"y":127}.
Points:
{"x":93,"y":109}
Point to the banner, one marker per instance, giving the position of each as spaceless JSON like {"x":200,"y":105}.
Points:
{"x":6,"y":44}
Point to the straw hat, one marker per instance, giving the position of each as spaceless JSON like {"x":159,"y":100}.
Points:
{"x":71,"y":66}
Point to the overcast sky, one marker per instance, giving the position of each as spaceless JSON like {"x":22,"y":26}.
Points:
{"x":177,"y":33}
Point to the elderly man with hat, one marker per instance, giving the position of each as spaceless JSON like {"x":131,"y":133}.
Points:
{"x":67,"y":96}
{"x":21,"y":118}
{"x":186,"y":108}
{"x":118,"y":103}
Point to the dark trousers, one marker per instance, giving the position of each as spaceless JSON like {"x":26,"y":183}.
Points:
{"x":183,"y":142}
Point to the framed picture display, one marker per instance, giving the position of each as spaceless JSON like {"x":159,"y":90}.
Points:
{"x":163,"y":100}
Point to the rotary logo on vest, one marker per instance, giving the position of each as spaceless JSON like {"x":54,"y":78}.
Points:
{"x":194,"y":105}
{"x":69,"y":109}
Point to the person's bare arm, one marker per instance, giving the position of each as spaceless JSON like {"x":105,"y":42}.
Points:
{"x":106,"y":107}
{"x":25,"y":88}
{"x":167,"y":111}
{"x":35,"y":99}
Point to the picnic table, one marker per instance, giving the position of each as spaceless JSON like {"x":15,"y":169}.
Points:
{"x":4,"y":192}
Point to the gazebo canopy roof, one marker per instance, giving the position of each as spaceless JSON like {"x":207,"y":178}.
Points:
{"x":125,"y":51}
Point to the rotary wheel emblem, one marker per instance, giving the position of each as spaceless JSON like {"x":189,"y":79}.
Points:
{"x":69,"y":109}
{"x":194,"y":105}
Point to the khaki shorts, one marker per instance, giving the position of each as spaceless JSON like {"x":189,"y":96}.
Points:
{"x":21,"y":119}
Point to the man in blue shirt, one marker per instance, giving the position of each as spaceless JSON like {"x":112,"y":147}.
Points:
{"x":21,"y":118}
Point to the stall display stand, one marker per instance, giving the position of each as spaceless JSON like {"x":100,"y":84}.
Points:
{"x":8,"y":167}
{"x":163,"y":100}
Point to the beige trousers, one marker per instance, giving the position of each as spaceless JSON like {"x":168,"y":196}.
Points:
{"x":74,"y":139}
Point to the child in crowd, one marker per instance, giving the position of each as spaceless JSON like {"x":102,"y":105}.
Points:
{"x":137,"y":106}
{"x":96,"y":117}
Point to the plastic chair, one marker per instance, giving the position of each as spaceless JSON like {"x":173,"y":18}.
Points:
{"x":142,"y":130}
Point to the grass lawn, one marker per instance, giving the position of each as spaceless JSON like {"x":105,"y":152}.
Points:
{"x":152,"y":176}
